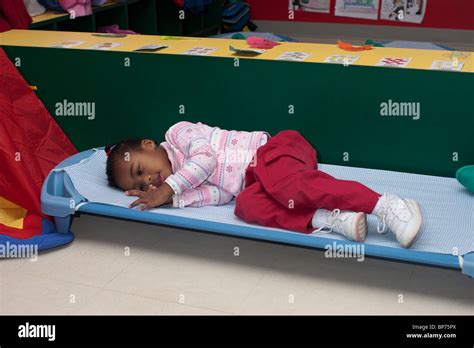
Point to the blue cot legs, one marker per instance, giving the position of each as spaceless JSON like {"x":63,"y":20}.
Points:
{"x":468,"y":264}
{"x":62,"y":224}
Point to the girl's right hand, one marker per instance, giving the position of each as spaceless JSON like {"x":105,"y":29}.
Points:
{"x":152,"y":197}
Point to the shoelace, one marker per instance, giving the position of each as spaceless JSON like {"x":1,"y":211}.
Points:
{"x":382,"y":223}
{"x":335,"y":221}
{"x":399,"y":210}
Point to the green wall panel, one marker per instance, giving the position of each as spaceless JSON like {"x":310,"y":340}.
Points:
{"x":336,"y":108}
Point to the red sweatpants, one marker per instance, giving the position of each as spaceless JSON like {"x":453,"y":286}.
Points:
{"x":284,"y":188}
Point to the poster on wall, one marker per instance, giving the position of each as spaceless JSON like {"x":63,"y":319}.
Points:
{"x":309,"y":5}
{"x":367,"y":9}
{"x":412,"y":11}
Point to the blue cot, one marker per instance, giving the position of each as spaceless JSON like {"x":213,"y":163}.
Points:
{"x":79,"y":185}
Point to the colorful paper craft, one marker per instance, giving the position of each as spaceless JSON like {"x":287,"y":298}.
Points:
{"x":294,"y":56}
{"x":394,"y":62}
{"x":200,"y":51}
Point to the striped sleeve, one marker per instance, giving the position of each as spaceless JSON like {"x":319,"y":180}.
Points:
{"x":203,"y":195}
{"x":200,"y":159}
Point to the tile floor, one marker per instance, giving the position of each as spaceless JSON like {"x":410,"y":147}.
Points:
{"x":121,"y":267}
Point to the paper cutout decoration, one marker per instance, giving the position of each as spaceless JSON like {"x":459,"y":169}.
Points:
{"x":105,"y":46}
{"x":309,"y":5}
{"x":200,"y":51}
{"x":394,"y":62}
{"x":341,"y":59}
{"x":151,"y":48}
{"x":294,"y":56}
{"x":346,"y":46}
{"x":412,"y":11}
{"x":260,"y":42}
{"x":453,"y":65}
{"x":366,"y":9}
{"x":68,"y":44}
{"x":246,"y":51}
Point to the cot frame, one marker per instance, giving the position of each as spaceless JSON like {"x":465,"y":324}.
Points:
{"x":61,"y":200}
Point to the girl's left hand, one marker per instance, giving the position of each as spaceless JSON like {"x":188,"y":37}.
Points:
{"x":154,"y":197}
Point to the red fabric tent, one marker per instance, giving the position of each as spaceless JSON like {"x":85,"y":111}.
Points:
{"x":31,"y":144}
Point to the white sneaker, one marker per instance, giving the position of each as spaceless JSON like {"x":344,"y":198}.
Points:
{"x":401,"y":216}
{"x":352,"y":225}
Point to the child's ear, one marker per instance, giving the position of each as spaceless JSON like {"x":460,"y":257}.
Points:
{"x":148,"y":144}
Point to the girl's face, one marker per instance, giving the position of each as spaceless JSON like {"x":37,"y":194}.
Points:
{"x":138,"y":169}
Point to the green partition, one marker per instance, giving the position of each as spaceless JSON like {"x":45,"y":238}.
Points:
{"x":336,"y":108}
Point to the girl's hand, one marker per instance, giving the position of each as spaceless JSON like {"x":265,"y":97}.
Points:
{"x":151,"y":187}
{"x":154,"y":197}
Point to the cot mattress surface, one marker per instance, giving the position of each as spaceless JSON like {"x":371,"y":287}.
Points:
{"x":448,"y":209}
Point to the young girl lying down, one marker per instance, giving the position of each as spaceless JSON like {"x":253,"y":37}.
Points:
{"x":275,"y":180}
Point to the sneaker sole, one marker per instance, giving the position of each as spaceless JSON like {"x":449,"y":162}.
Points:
{"x":416,"y":211}
{"x":361,"y":227}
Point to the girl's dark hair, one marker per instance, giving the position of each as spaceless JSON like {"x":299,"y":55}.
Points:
{"x":116,"y":152}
